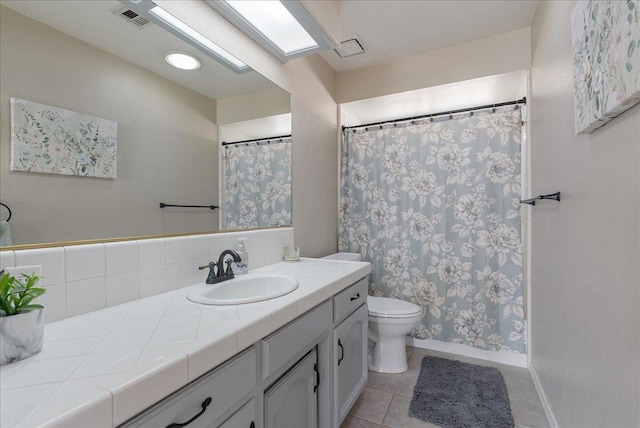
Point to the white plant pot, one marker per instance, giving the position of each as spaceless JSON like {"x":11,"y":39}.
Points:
{"x":21,"y":336}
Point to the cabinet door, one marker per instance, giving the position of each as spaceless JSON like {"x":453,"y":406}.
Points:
{"x":350,"y":341}
{"x":292,"y":401}
{"x":243,"y":418}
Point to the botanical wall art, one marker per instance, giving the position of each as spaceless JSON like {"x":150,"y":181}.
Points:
{"x":606,"y":60}
{"x":57,"y":141}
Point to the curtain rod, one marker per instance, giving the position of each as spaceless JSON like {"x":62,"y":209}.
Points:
{"x":256,"y":140}
{"x":443,"y":113}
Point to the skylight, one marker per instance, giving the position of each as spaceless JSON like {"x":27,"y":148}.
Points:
{"x":276,"y":23}
{"x":283,"y":28}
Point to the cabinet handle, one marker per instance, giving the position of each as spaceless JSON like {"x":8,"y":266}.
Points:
{"x":315,"y":367}
{"x":355,"y":298}
{"x":204,"y":405}
{"x":342,"y":353}
{"x":253,"y":425}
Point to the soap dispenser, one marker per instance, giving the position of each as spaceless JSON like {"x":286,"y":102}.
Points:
{"x":241,"y":267}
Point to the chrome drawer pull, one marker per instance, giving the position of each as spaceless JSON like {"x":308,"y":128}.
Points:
{"x":355,"y":298}
{"x":204,"y":405}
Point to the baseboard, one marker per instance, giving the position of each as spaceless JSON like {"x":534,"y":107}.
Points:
{"x":508,"y":358}
{"x":553,"y":423}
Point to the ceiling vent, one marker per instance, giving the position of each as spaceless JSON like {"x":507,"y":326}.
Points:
{"x":350,"y":46}
{"x":132,"y":17}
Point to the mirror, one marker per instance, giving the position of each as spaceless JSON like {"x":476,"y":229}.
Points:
{"x":93,"y":62}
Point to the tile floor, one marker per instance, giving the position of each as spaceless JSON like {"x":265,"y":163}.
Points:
{"x":386,"y":398}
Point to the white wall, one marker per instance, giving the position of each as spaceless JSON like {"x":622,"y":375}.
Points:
{"x":254,"y":105}
{"x":586,"y":249}
{"x":167,"y":142}
{"x":452,"y":96}
{"x":483,"y":57}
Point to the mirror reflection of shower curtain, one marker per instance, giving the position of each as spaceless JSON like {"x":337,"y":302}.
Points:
{"x":258,"y":183}
{"x":435,"y":207}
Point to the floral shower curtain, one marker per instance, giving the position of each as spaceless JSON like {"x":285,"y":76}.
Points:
{"x":434,"y":206}
{"x":258,"y":183}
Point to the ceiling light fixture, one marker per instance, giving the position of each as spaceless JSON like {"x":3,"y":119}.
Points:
{"x":199,"y":40}
{"x":182,"y":60}
{"x":284,"y":29}
{"x":188,"y":34}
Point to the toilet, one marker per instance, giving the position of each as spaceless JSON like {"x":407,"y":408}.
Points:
{"x":390,"y":320}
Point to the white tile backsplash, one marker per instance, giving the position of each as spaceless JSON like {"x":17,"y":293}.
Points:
{"x":85,"y":278}
{"x":152,"y":281}
{"x":51,"y":260}
{"x":122,"y":287}
{"x":7,"y":259}
{"x":121,"y":256}
{"x":198,"y":247}
{"x":176,"y":250}
{"x":216,"y":246}
{"x":151,"y":253}
{"x":177,"y":275}
{"x":85,"y":295}
{"x":54,"y":302}
{"x":84,"y":261}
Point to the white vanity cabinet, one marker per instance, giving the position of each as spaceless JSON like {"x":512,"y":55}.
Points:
{"x":307,"y":374}
{"x":350,"y":341}
{"x":292,"y":401}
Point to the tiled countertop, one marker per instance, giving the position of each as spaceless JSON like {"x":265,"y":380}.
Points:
{"x":101,"y":368}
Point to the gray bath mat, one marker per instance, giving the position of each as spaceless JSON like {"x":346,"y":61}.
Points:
{"x":453,"y":394}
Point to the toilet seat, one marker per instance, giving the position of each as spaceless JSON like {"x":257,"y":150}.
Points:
{"x":385,"y":307}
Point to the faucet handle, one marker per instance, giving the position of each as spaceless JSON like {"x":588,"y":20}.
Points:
{"x":211,"y":265}
{"x":228,"y":271}
{"x":212,"y":272}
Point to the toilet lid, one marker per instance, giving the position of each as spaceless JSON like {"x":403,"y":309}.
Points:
{"x":387,"y":307}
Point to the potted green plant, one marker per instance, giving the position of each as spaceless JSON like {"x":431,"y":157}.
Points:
{"x":21,"y":322}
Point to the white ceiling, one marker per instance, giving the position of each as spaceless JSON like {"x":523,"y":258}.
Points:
{"x":93,"y":22}
{"x":391,"y":29}
{"x":398,"y":28}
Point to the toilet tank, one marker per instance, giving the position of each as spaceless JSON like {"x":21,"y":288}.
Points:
{"x":350,"y":257}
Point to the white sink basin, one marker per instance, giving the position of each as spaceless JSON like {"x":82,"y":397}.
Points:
{"x":243,"y":289}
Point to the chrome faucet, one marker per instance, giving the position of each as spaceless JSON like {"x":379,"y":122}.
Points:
{"x":217,"y":272}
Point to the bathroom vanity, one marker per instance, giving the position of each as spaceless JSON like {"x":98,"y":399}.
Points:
{"x":306,"y":366}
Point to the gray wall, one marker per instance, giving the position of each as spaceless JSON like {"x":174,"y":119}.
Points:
{"x":167,"y":139}
{"x":586,"y":249}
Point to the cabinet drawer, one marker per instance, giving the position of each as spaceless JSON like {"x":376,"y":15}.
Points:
{"x":222,"y":389}
{"x":293,"y":338}
{"x":350,"y":299}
